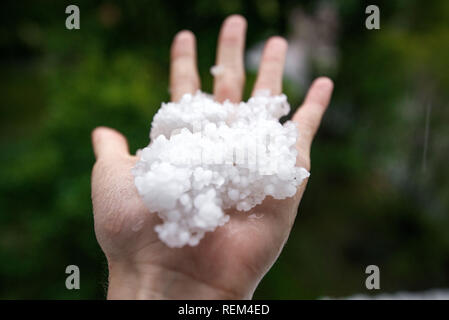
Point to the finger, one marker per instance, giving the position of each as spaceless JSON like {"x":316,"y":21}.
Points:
{"x":272,"y":66}
{"x":228,"y":83}
{"x":183,"y":69}
{"x":309,"y":115}
{"x":109,"y":143}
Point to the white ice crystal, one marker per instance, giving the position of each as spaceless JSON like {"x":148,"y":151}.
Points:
{"x":216,"y":70}
{"x":206,"y":157}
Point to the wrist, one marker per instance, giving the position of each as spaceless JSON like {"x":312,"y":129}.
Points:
{"x":126,"y":282}
{"x":154,"y":282}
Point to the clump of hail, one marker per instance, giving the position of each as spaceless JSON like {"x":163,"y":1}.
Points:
{"x":206,"y":157}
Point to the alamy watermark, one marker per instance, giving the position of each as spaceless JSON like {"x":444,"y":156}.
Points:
{"x":73,"y":20}
{"x":373,"y":280}
{"x":372,"y":22}
{"x":73,"y":280}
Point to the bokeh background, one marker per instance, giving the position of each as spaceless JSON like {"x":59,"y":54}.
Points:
{"x":379,"y":192}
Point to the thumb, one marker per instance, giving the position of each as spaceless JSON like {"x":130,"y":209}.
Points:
{"x":109,"y":143}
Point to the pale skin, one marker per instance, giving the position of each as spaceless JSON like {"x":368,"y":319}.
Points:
{"x":230,"y":262}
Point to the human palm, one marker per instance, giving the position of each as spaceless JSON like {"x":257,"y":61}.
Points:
{"x":229,"y":262}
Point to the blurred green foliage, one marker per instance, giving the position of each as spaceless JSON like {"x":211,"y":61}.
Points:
{"x":375,"y":196}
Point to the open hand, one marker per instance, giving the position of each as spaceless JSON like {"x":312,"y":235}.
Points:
{"x":230,"y":262}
